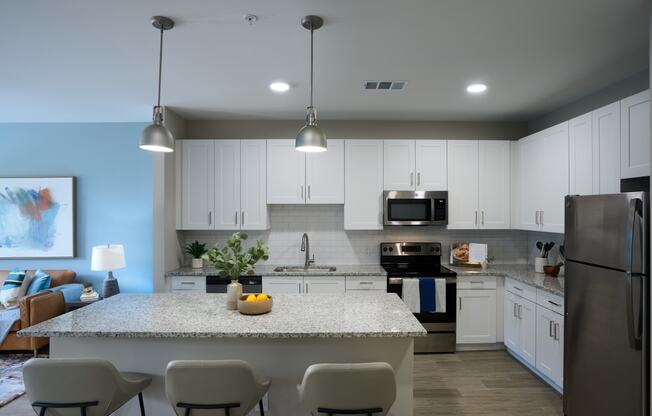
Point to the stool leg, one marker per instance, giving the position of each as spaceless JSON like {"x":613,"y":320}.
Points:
{"x":42,"y":411}
{"x":262,"y":409}
{"x":142,"y":405}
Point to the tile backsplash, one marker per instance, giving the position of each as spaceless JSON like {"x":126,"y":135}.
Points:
{"x":331,"y":244}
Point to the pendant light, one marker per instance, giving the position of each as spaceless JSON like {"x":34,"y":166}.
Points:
{"x":156,"y":137}
{"x":311,"y":138}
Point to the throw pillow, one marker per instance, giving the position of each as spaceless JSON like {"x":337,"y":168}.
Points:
{"x":10,"y":291}
{"x":40,"y":282}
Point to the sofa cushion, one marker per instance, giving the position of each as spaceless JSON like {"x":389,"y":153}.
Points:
{"x":40,"y":282}
{"x":71,"y":291}
{"x":12,"y":288}
{"x":59,"y":277}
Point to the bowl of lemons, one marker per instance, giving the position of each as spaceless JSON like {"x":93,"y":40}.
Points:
{"x":253,"y":304}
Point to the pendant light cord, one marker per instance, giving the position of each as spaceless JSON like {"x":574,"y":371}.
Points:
{"x":311,"y":62}
{"x":160,"y":68}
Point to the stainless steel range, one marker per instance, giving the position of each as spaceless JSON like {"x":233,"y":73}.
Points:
{"x":421,"y":260}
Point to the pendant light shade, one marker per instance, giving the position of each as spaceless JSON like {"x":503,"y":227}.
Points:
{"x":156,"y":137}
{"x":311,"y":138}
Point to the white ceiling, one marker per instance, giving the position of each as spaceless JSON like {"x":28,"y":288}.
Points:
{"x":92,"y":60}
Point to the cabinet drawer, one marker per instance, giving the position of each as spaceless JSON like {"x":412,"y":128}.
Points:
{"x":195,"y":283}
{"x":366,"y":282}
{"x":476,"y":282}
{"x":521,"y":289}
{"x":551,"y":301}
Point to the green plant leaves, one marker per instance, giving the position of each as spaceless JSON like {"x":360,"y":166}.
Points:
{"x":231,"y":261}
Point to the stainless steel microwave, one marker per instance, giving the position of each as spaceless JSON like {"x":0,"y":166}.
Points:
{"x":415,"y":208}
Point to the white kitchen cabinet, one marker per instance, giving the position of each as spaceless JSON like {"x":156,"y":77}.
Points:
{"x":463,"y":184}
{"x":285,"y":284}
{"x":580,"y":155}
{"x":635,"y":135}
{"x":530,"y":162}
{"x":227,"y":184}
{"x":494,"y":184}
{"x":188,"y":284}
{"x":520,"y":327}
{"x":325,"y":175}
{"x":323,"y":284}
{"x":606,"y":149}
{"x":479,"y":184}
{"x":398,"y":166}
{"x":511,"y":323}
{"x":359,"y":284}
{"x":254,"y":214}
{"x":197,"y":190}
{"x":286,"y":173}
{"x":515,"y":183}
{"x":363,"y":175}
{"x":476,"y":317}
{"x":550,"y":345}
{"x":431,"y":165}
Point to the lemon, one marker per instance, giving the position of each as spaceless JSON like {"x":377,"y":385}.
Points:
{"x":262,"y":296}
{"x":251,"y":298}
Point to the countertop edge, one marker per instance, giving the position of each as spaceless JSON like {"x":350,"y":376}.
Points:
{"x":515,"y":276}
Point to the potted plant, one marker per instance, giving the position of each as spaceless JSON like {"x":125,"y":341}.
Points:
{"x":196,"y":250}
{"x":232,"y":262}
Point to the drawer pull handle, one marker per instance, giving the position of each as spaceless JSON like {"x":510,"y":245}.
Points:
{"x":366,"y":283}
{"x":553,"y":303}
{"x":518,"y":288}
{"x":187,"y":283}
{"x":477,"y":283}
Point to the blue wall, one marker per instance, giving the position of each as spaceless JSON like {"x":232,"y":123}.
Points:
{"x":114,"y":190}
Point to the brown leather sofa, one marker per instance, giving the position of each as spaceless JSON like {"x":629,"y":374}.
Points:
{"x":36,"y":308}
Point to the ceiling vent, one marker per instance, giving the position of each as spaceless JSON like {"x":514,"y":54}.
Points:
{"x":384,"y":85}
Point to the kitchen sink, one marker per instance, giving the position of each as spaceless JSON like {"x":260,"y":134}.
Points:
{"x":302,"y":269}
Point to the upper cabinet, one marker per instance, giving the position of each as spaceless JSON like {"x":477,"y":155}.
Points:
{"x":414,"y":165}
{"x":580,"y":155}
{"x":635,"y":135}
{"x":479,"y":184}
{"x":363,"y":207}
{"x":295,"y":177}
{"x":223,"y":185}
{"x":606,"y":149}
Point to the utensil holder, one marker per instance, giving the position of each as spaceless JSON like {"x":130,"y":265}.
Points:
{"x":539,"y":262}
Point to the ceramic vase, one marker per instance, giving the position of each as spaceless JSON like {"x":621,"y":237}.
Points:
{"x":233,"y":293}
{"x":197,"y":263}
{"x":539,"y":262}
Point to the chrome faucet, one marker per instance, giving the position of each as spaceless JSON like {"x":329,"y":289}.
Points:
{"x":305,"y":246}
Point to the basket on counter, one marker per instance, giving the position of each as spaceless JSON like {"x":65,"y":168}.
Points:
{"x":258,"y":307}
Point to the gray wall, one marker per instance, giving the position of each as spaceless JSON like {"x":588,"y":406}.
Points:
{"x":287,"y":129}
{"x":614,"y":92}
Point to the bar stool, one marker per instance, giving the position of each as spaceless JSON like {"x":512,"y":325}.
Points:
{"x":92,"y":385}
{"x":229,"y":385}
{"x":348,"y":389}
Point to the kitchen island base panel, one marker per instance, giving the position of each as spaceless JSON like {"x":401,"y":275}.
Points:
{"x":284,"y":360}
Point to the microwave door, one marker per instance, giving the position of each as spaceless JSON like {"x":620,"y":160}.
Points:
{"x":409,"y":211}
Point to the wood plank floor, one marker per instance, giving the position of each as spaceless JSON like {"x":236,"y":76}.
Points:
{"x":484,"y":383}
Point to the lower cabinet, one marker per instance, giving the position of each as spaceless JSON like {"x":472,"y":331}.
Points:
{"x":288,"y":284}
{"x":550,"y":344}
{"x":476,"y":316}
{"x":188,"y":284}
{"x":323,"y":284}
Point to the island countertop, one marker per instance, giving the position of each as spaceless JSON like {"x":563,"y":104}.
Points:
{"x":199,"y":315}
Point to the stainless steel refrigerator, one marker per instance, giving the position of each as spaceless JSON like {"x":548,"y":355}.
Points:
{"x":606,"y":369}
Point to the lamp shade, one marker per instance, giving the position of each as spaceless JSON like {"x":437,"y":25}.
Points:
{"x":107,"y":258}
{"x":156,"y":137}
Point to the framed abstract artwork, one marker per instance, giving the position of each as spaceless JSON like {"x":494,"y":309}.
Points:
{"x":37,"y":217}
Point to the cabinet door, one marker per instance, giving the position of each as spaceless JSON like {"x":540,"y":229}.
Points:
{"x":606,"y":149}
{"x":530,"y":184}
{"x":635,"y":135}
{"x":287,"y":284}
{"x":554,"y":177}
{"x":325,"y":175}
{"x":398,"y":165}
{"x":511,"y":323}
{"x":324,"y":284}
{"x":549,"y":344}
{"x":227,"y":185}
{"x":253,"y":185}
{"x":463,"y":184}
{"x":494,"y":184}
{"x":527,"y":315}
{"x":197,"y":191}
{"x":580,"y":155}
{"x":286,"y":173}
{"x":515,"y":183}
{"x":476,"y":318}
{"x":431,"y":166}
{"x":363,"y":199}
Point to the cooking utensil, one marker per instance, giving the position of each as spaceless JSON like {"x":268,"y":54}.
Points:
{"x":540,"y":247}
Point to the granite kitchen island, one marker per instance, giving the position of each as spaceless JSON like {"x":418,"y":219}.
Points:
{"x":144,"y":332}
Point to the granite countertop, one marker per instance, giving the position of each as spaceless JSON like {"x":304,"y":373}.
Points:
{"x":166,"y":315}
{"x":268,"y":270}
{"x":521,"y":272}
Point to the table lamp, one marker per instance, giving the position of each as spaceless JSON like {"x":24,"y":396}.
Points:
{"x":108,"y":258}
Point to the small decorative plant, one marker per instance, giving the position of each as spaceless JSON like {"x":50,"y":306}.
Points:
{"x":231,"y":261}
{"x":196,"y":250}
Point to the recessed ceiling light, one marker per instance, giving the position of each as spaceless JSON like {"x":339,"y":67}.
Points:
{"x":279,"y":86}
{"x":476,"y":88}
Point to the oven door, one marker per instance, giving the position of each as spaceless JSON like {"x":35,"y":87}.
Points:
{"x":415,"y":208}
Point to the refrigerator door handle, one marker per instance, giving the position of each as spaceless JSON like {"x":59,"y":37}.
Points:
{"x":634,"y":328}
